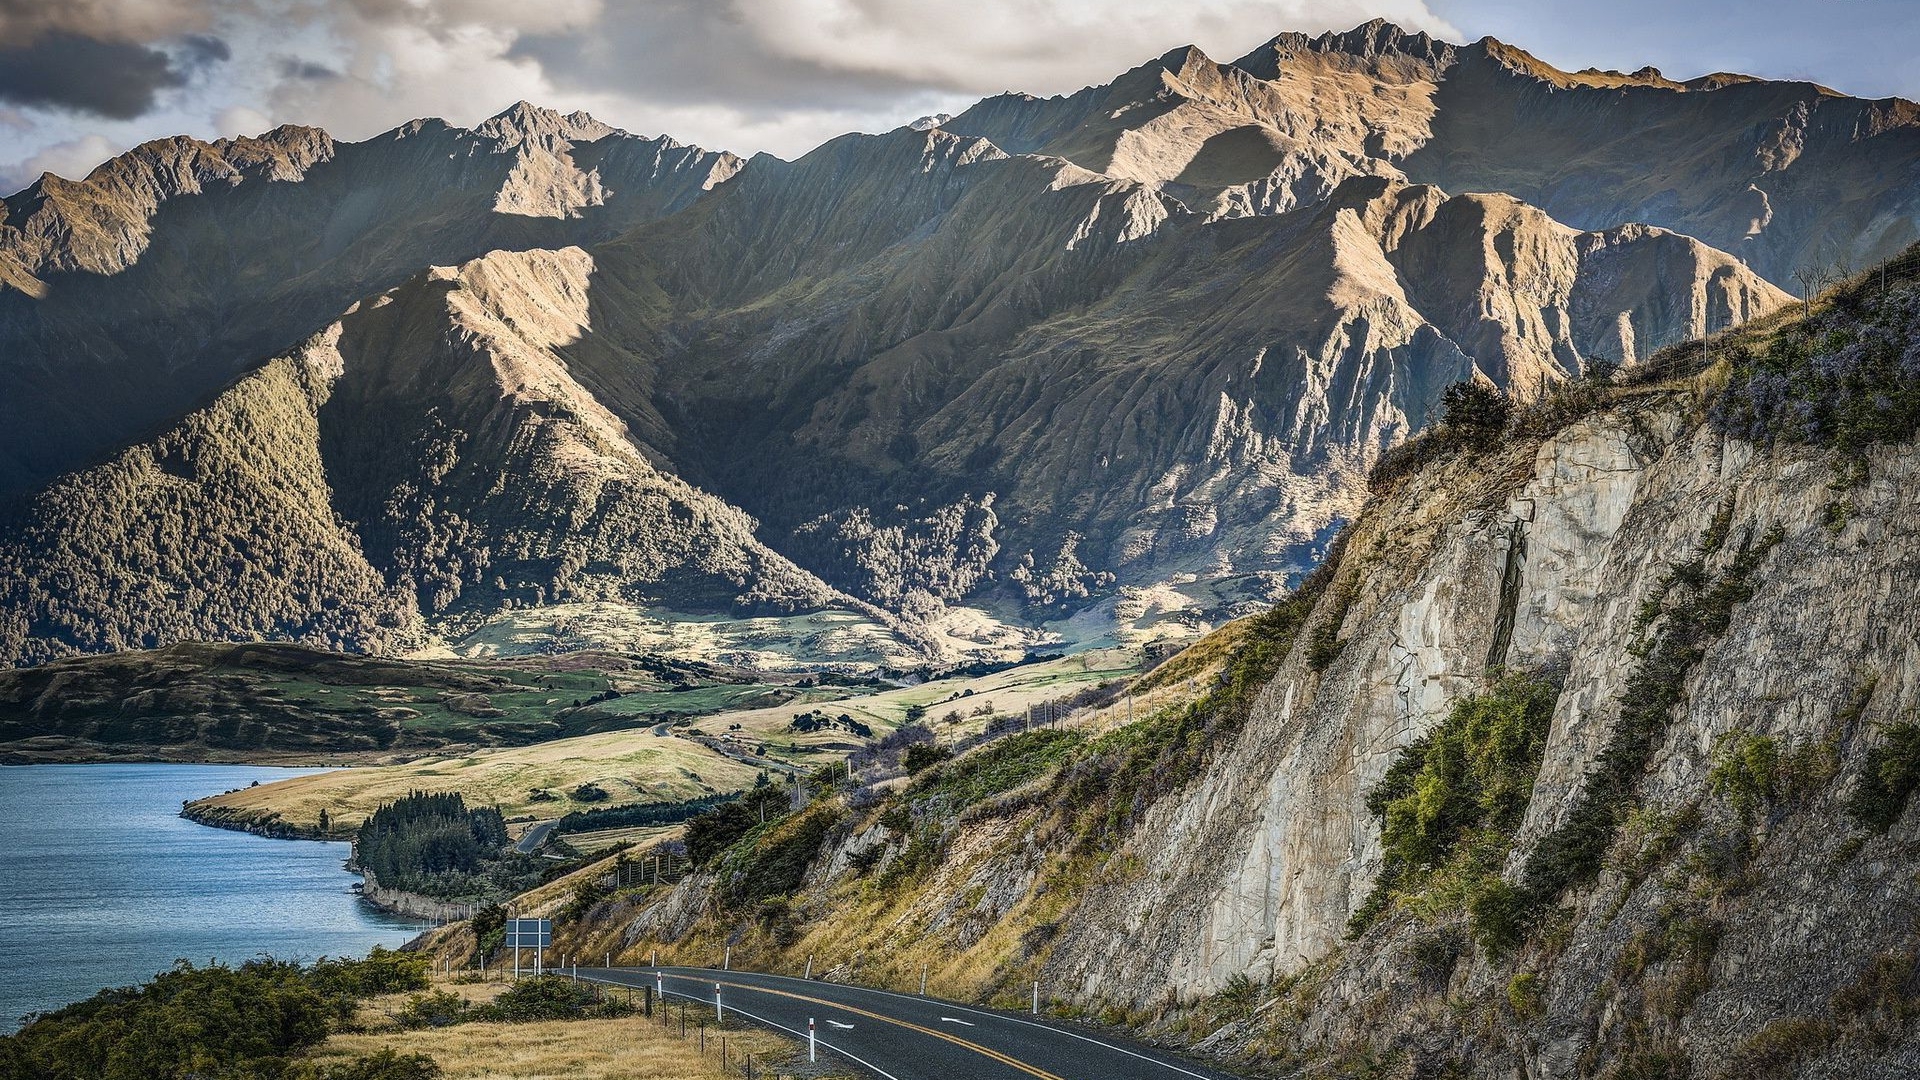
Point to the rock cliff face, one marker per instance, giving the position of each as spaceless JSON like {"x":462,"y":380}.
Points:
{"x":1256,"y":871}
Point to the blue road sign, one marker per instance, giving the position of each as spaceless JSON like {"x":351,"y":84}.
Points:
{"x":529,"y":933}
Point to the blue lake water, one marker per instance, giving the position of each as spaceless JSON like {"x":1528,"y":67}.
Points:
{"x":104,"y":883}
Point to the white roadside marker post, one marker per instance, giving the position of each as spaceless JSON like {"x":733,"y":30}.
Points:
{"x":727,"y":963}
{"x":809,"y":973}
{"x":923,"y":980}
{"x":660,"y":988}
{"x":810,"y":1051}
{"x":718,"y":1014}
{"x":1036,"y":997}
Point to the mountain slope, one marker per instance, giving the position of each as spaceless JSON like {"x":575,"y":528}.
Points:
{"x":1788,"y":176}
{"x":1178,"y":393}
{"x":139,"y":292}
{"x":421,"y":452}
{"x":1145,"y":337}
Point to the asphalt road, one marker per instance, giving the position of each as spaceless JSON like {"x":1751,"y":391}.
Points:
{"x":534,"y":838}
{"x":906,"y":1037}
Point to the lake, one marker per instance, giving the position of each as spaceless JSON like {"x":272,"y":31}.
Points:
{"x":107,"y":884}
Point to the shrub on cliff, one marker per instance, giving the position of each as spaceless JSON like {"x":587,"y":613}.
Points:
{"x":1891,"y":776}
{"x":1451,"y":801}
{"x":1847,"y":378}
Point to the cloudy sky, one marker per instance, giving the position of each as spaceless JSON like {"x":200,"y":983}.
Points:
{"x":81,"y":80}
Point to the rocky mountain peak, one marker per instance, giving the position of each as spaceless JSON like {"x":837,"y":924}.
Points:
{"x":525,"y":122}
{"x":1371,"y":42}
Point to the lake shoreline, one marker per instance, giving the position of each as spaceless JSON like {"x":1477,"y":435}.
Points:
{"x":141,"y":887}
{"x":65,"y":750}
{"x":393,"y":901}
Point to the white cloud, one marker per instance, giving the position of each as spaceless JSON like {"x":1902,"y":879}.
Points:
{"x":73,"y":159}
{"x":985,"y":46}
{"x":744,"y":75}
{"x":240,"y":120}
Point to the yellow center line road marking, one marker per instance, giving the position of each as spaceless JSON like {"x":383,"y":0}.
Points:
{"x":968,"y":1044}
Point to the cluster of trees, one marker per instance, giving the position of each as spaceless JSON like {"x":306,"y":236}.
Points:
{"x":411,"y":842}
{"x":719,"y":828}
{"x":915,"y":565}
{"x":1065,"y":579}
{"x":640,"y":814}
{"x":218,"y":1023}
{"x":818,"y":721}
{"x":218,"y":530}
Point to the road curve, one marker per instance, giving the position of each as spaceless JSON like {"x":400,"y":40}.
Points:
{"x":906,"y":1037}
{"x":534,"y":838}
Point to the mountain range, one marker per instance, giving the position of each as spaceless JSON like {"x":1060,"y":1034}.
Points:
{"x":1136,"y":345}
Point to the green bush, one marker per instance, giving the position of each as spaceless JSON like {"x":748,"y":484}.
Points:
{"x":187,"y":1022}
{"x":1746,"y":771}
{"x":1462,"y":790}
{"x":550,"y":997}
{"x":923,"y":756}
{"x":1476,"y":410}
{"x":439,"y":1008}
{"x":586,"y":894}
{"x":1891,"y":776}
{"x":489,"y":926}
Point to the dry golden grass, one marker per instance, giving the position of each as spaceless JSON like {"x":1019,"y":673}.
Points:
{"x":639,"y":766}
{"x":633,"y":1048}
{"x":634,"y":766}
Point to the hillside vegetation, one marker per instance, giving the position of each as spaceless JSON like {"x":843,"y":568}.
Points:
{"x":1589,"y":752}
{"x":261,"y":702}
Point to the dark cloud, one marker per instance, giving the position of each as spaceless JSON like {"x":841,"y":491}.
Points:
{"x":293,"y":67}
{"x":66,"y":71}
{"x":203,"y":50}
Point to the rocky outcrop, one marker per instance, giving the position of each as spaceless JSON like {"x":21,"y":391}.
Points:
{"x":412,"y":905}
